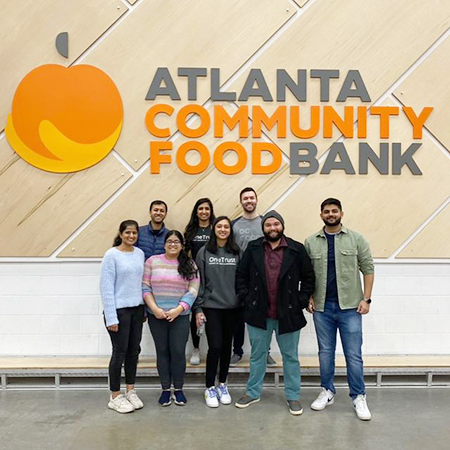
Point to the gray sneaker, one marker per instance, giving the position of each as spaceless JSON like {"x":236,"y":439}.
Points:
{"x":270,"y":360}
{"x":246,"y":401}
{"x":295,"y":407}
{"x":235,"y":359}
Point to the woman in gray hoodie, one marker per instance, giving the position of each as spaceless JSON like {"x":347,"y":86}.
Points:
{"x":217,"y":306}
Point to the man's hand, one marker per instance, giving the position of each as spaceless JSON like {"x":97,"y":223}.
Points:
{"x":114,"y":328}
{"x":311,"y":306}
{"x":363,"y":307}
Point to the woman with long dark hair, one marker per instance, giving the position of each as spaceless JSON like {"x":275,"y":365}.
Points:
{"x":121,"y":293}
{"x":170,"y":286}
{"x":196,"y":235}
{"x":217,"y":306}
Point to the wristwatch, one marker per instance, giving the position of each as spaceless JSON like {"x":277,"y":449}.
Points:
{"x":368,"y":300}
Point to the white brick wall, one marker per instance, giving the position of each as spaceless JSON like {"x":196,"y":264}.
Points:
{"x":54,"y":308}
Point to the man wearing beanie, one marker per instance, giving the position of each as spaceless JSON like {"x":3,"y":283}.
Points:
{"x":274,"y":280}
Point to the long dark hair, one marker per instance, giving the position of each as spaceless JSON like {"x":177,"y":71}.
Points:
{"x":193,"y":225}
{"x":122,"y":227}
{"x":230,"y":246}
{"x":186,"y":267}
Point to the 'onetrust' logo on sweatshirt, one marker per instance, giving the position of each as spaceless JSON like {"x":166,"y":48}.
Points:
{"x":222,"y":261}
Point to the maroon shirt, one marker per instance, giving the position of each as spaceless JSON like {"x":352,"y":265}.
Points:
{"x":272,"y":261}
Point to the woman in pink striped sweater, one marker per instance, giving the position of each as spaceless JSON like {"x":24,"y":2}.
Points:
{"x":170,"y":286}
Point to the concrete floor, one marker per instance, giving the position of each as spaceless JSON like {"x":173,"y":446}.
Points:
{"x":403,"y":418}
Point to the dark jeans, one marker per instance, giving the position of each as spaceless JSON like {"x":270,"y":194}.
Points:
{"x":219,"y":327}
{"x":195,"y":338}
{"x":126,"y":346}
{"x":170,"y":342}
{"x":239,"y":333}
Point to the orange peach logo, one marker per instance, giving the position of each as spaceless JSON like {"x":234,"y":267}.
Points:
{"x":65,"y":119}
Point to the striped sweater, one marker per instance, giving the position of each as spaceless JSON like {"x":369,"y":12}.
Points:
{"x":169,"y":288}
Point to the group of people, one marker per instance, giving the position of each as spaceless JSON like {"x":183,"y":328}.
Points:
{"x":227,"y":273}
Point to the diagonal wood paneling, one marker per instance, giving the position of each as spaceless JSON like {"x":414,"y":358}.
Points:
{"x":428,"y":86}
{"x":173,"y":34}
{"x":40,"y":210}
{"x":432,"y":241}
{"x":301,"y":2}
{"x":28,"y":31}
{"x":180,"y":191}
{"x":381,"y":39}
{"x":386,"y":209}
{"x":7,"y":156}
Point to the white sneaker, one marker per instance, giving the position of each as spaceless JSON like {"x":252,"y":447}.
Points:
{"x":325,"y":398}
{"x":211,"y":397}
{"x":120,"y":404}
{"x":223,"y":394}
{"x":134,"y":399}
{"x":195,"y":358}
{"x":361,"y":408}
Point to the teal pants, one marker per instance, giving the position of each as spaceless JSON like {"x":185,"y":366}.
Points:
{"x":288,"y":343}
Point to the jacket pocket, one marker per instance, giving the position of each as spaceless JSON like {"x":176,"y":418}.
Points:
{"x":349,"y":260}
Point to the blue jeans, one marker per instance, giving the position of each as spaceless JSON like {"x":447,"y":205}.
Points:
{"x":349,"y":323}
{"x":260,"y":342}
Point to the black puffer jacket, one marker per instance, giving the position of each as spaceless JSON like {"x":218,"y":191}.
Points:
{"x":295,"y":286}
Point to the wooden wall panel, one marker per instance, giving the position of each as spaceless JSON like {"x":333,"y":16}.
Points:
{"x":28,"y":31}
{"x":180,"y":191}
{"x":173,"y":34}
{"x":7,"y":155}
{"x":432,"y":240}
{"x":428,"y":86}
{"x":40,"y":210}
{"x":381,"y":39}
{"x":301,"y":2}
{"x":386,"y":209}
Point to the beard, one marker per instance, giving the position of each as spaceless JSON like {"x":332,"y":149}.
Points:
{"x":273,"y":237}
{"x":332,"y":224}
{"x":249,"y":208}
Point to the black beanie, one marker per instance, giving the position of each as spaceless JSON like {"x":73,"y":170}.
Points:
{"x":270,"y":214}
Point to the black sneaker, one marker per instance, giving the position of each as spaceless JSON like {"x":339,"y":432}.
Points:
{"x":165,"y":399}
{"x":235,"y":358}
{"x":179,"y":398}
{"x":246,"y":401}
{"x":295,"y":408}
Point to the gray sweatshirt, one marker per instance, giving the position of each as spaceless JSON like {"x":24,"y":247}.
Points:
{"x":217,"y":280}
{"x":246,"y":230}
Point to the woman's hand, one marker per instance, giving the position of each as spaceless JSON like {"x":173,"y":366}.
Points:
{"x":114,"y":328}
{"x":159,"y":313}
{"x":173,"y":313}
{"x":199,"y":319}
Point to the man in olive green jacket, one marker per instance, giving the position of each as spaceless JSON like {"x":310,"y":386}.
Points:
{"x":338,"y":256}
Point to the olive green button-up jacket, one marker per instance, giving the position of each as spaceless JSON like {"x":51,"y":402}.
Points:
{"x":352,"y":256}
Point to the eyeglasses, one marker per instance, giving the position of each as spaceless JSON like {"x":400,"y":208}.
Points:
{"x":168,"y":242}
